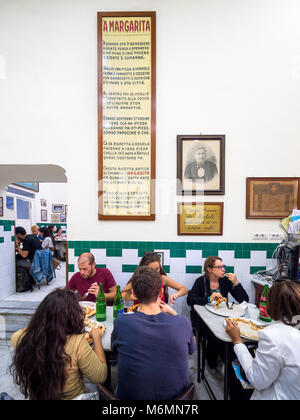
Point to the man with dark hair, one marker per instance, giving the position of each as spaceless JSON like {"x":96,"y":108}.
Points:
{"x":24,"y":258}
{"x":152,"y":344}
{"x":87,"y":281}
{"x":30,"y":244}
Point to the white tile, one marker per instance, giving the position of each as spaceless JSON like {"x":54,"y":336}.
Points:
{"x":258,"y":258}
{"x":227,"y":257}
{"x":130,"y":256}
{"x":193,"y":257}
{"x":114,"y":264}
{"x":241,"y":266}
{"x":122,"y":279}
{"x":100,"y":255}
{"x":177,"y":265}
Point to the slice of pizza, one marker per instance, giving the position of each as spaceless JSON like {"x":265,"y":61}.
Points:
{"x":89,"y":311}
{"x":218,"y":301}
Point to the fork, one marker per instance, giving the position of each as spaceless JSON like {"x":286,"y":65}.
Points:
{"x":231,"y":307}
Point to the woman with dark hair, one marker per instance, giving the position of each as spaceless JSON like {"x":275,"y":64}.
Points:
{"x":275,"y":370}
{"x":48,"y":239}
{"x":152,"y":260}
{"x":52,"y":355}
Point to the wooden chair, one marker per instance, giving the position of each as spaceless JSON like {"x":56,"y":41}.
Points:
{"x":105,"y":394}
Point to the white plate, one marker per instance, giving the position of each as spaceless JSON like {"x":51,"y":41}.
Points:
{"x":85,"y":303}
{"x":222,"y":310}
{"x":245,"y":329}
{"x":94,"y":324}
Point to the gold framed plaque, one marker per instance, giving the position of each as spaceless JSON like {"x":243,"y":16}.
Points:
{"x":200,"y":218}
{"x":126,"y":115}
{"x":271,"y":198}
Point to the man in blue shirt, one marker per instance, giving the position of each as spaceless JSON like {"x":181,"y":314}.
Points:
{"x":152,"y":344}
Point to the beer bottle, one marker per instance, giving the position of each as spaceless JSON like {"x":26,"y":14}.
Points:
{"x":100,"y":305}
{"x":263,"y":314}
{"x":118,"y":303}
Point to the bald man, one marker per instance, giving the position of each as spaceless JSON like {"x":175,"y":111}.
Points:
{"x":87,"y":281}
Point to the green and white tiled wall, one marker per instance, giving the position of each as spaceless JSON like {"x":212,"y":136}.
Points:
{"x":7,"y":258}
{"x":62,"y":225}
{"x":183,"y":261}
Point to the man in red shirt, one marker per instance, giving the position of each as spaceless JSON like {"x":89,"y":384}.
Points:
{"x":87,"y":281}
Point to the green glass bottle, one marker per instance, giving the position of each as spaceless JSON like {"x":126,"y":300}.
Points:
{"x":118,"y":303}
{"x":263,"y":314}
{"x":100,"y":305}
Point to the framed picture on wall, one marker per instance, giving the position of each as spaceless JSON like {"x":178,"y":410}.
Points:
{"x":62,"y":218}
{"x":55,"y":218}
{"x":200,"y":219}
{"x":44,"y":215}
{"x":271,"y":198}
{"x":34,"y":186}
{"x":1,"y":206}
{"x":66,"y":208}
{"x":200,"y":164}
{"x":43,"y":202}
{"x":58,"y":208}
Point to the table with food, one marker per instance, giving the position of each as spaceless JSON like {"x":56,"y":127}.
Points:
{"x":214,"y":315}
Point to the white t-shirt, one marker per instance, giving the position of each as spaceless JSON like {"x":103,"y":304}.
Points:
{"x":47,"y":243}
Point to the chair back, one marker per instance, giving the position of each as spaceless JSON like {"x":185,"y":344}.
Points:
{"x":188,"y":394}
{"x":105,"y":394}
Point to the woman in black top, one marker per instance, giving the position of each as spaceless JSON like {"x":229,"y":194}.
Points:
{"x":207,"y":288}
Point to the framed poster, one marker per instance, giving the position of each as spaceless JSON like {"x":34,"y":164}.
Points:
{"x":62,"y":218}
{"x":44,"y":215}
{"x":43,"y":202}
{"x":55,"y":218}
{"x":271,"y":198}
{"x":200,"y":164}
{"x":200,"y":218}
{"x":126,"y":115}
{"x":1,"y":206}
{"x":58,"y":208}
{"x":34,"y":186}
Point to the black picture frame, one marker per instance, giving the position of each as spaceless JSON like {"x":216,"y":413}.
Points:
{"x":201,"y":164}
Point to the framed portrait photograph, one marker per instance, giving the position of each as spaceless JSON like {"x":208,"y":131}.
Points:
{"x":271,"y":198}
{"x":200,"y":218}
{"x":43,"y":202}
{"x":200,"y":164}
{"x":55,"y":218}
{"x":1,"y":206}
{"x":58,"y":208}
{"x":62,"y":217}
{"x":44,"y":215}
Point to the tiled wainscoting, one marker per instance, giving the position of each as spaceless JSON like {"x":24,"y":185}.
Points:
{"x":7,"y":258}
{"x":62,"y":225}
{"x":183,"y":261}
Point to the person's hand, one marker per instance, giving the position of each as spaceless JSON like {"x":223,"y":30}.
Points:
{"x":214,"y":296}
{"x":173,"y":297}
{"x":94,"y":289}
{"x":166,"y":308}
{"x":233,"y":278}
{"x":233,"y":331}
{"x":95,"y":333}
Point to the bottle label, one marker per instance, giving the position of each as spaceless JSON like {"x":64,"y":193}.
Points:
{"x":263,"y":314}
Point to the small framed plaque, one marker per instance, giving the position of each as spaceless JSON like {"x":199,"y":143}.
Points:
{"x":44,"y":215}
{"x":200,"y":218}
{"x":271,"y":198}
{"x":1,"y":206}
{"x":58,"y":208}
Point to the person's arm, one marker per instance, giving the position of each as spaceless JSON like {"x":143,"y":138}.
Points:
{"x":92,"y":363}
{"x":236,"y":289}
{"x":164,"y":307}
{"x":196,"y":295}
{"x":127,"y":292}
{"x":181,"y":290}
{"x":22,"y":252}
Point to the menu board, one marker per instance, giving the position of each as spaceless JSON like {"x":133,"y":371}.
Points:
{"x":126,"y":115}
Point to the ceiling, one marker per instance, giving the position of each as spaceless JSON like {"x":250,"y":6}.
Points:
{"x":31,"y":173}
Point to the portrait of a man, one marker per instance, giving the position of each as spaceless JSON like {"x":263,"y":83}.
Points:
{"x":200,"y":167}
{"x":201,"y":164}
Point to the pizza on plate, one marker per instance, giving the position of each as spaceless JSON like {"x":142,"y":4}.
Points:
{"x":89,"y":311}
{"x":218,"y":301}
{"x":248,"y":329}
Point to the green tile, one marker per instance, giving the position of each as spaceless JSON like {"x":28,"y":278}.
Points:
{"x":229,"y":269}
{"x":177,"y":253}
{"x":167,"y":269}
{"x":95,"y":244}
{"x":12,"y":238}
{"x":239,"y":254}
{"x":114,"y":252}
{"x":128,"y":268}
{"x":101,"y":265}
{"x":255,"y":269}
{"x":1,"y":240}
{"x":71,"y":268}
{"x":71,"y":244}
{"x":189,"y":245}
{"x":77,"y":251}
{"x":193,"y":269}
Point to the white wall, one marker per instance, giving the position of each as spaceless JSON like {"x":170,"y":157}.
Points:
{"x":223,"y":67}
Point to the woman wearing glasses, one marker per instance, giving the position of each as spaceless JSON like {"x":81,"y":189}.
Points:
{"x":152,"y":260}
{"x":207,"y":288}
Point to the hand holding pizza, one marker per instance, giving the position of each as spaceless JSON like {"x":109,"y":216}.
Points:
{"x":233,"y":331}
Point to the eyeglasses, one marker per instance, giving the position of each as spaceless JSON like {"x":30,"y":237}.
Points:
{"x":220,"y":267}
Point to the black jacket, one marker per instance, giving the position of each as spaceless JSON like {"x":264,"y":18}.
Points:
{"x":200,"y":292}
